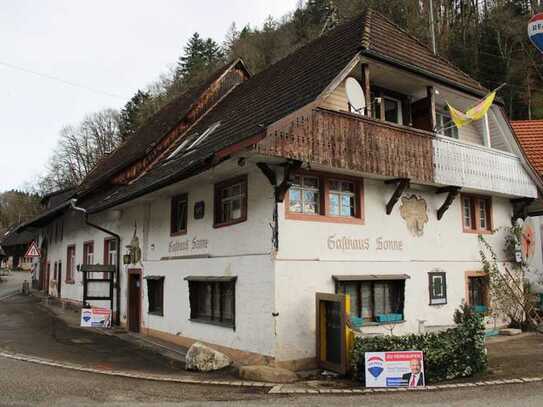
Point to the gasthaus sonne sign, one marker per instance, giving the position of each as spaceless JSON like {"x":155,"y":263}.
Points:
{"x":394,"y":369}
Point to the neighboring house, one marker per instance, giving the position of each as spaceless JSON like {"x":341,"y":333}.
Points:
{"x":530,"y":136}
{"x":14,"y":245}
{"x":247,"y":196}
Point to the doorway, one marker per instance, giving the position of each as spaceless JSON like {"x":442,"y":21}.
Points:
{"x":331,"y":332}
{"x":134,"y":300}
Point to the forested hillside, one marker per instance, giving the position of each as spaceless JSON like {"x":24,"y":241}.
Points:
{"x":17,"y":207}
{"x":486,"y":38}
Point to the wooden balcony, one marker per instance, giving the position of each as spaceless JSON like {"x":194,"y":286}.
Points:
{"x":480,"y":168}
{"x":349,"y":141}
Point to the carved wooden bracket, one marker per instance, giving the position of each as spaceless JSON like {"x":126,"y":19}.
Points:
{"x":401,"y":185}
{"x":283,"y":187}
{"x":519,"y":207}
{"x":452,"y":193}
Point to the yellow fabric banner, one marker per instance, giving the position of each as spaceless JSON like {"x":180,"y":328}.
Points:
{"x":477,"y":112}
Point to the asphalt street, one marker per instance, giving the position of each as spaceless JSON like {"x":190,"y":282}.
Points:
{"x":13,"y":282}
{"x":23,"y":384}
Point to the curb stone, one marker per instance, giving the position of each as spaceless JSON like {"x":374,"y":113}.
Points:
{"x":131,"y":375}
{"x":274,"y":387}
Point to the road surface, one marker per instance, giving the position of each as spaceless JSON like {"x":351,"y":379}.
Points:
{"x":13,"y":282}
{"x":23,"y":383}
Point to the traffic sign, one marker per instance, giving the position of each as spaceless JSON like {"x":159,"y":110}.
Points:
{"x":33,"y":250}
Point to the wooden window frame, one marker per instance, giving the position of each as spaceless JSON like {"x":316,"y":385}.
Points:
{"x":70,"y":264}
{"x":217,"y":206}
{"x":152,"y":281}
{"x":193,"y":300}
{"x":107,"y":241}
{"x":475,"y":214}
{"x":373,"y":283}
{"x":324,"y":189}
{"x":437,"y":300}
{"x":477,"y":274}
{"x":174,"y":214}
{"x":86,"y":245}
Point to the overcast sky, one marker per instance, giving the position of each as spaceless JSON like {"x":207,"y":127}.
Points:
{"x":113,"y":46}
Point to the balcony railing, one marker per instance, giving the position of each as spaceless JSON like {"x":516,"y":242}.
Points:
{"x":471,"y":166}
{"x":348,"y":141}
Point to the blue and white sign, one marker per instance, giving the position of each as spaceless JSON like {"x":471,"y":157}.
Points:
{"x":96,"y":318}
{"x":394,"y":369}
{"x":535,"y":31}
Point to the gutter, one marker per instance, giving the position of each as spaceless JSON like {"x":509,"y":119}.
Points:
{"x":73,"y":203}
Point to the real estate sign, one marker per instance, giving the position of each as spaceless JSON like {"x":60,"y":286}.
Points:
{"x":394,"y":369}
{"x":96,"y":318}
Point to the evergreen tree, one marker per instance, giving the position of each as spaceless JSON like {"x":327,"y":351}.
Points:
{"x":131,"y":114}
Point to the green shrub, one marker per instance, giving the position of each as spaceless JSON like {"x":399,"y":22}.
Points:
{"x":456,"y":352}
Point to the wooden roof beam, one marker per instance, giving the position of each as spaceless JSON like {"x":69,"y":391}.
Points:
{"x":401,"y":185}
{"x":452,"y":192}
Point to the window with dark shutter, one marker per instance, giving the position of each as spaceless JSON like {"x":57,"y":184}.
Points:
{"x":212,"y":300}
{"x":437,"y":287}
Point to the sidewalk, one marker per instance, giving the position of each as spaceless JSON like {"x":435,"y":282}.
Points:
{"x":28,"y":327}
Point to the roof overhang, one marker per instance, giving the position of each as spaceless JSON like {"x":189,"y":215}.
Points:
{"x":44,"y":218}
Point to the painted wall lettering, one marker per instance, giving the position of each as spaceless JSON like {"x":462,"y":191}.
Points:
{"x":335,"y":242}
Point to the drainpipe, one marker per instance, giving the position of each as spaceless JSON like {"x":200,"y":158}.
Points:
{"x":117,"y":257}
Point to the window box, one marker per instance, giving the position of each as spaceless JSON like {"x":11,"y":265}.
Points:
{"x":178,"y":215}
{"x":325,"y":198}
{"x":212,"y":300}
{"x":476,"y":214}
{"x":230,"y":202}
{"x":385,"y":318}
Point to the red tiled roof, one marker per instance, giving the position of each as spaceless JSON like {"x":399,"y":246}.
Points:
{"x":530,"y":137}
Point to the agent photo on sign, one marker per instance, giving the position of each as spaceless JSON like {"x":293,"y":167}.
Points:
{"x":415,"y":378}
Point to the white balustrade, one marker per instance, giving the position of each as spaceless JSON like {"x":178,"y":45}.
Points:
{"x":477,"y":167}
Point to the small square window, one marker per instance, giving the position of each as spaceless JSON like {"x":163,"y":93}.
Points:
{"x":476,"y":213}
{"x":212,"y":302}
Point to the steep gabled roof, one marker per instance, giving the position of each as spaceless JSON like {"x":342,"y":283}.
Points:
{"x":152,"y":131}
{"x":530,"y":136}
{"x":387,"y":41}
{"x":286,"y":86}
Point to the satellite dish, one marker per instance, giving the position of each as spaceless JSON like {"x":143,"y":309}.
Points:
{"x":355,"y":94}
{"x":527,"y":241}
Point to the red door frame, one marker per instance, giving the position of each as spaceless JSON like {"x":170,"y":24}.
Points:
{"x":135,"y":272}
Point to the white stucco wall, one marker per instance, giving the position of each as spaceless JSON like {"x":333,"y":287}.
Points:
{"x":305,"y":264}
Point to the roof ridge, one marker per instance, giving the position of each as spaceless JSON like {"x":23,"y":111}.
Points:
{"x":426,"y":47}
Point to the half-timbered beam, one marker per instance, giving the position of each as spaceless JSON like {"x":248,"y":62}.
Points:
{"x":519,"y":207}
{"x":401,"y":185}
{"x":452,"y":193}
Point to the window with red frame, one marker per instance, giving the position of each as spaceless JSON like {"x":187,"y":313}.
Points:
{"x":70,"y":264}
{"x":110,"y":254}
{"x":476,"y":213}
{"x":325,"y":197}
{"x":88,"y":253}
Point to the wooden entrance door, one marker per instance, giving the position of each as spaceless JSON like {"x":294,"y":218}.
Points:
{"x":331,"y":332}
{"x":134,"y":301}
{"x":59,"y":279}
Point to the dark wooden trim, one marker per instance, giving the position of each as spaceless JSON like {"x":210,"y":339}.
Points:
{"x":217,"y":207}
{"x":401,"y":185}
{"x":340,"y":298}
{"x":365,"y":68}
{"x":290,"y":168}
{"x":452,"y":193}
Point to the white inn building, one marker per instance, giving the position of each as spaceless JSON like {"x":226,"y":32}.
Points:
{"x":248,"y":195}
